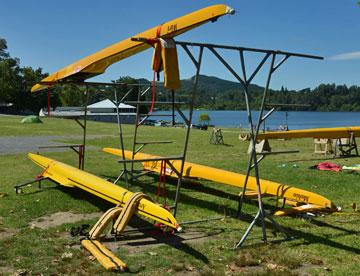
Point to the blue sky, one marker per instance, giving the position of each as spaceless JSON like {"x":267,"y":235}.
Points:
{"x":53,"y":34}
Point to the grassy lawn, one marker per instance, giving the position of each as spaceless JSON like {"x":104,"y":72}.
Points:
{"x":323,"y":245}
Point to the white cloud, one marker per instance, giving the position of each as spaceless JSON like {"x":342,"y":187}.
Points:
{"x":346,"y":56}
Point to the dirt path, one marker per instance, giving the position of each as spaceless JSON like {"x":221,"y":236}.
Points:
{"x":19,"y":144}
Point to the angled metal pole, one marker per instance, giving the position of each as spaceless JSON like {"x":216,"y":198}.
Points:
{"x":191,"y":109}
{"x":247,"y":82}
{"x":117,"y":103}
{"x":173,"y":106}
{"x":255,"y":166}
{"x":86,"y":96}
{"x":261,"y":213}
{"x":254,"y":138}
{"x":137,"y":119}
{"x":253,"y":132}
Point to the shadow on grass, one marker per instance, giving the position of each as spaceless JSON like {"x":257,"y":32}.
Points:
{"x":177,"y":242}
{"x":314,"y":239}
{"x":146,"y":228}
{"x":76,"y":193}
{"x":311,"y":238}
{"x":173,"y":241}
{"x":324,"y":224}
{"x":224,"y":145}
{"x":193,"y":185}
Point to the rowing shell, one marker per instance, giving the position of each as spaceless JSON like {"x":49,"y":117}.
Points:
{"x":97,"y":63}
{"x":69,"y":176}
{"x":268,"y":188}
{"x":329,"y":133}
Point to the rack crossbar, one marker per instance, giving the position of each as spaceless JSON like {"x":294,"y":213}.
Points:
{"x":151,"y":159}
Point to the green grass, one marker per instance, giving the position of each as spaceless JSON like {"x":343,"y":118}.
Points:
{"x":324,"y":245}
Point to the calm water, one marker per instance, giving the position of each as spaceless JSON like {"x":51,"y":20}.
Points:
{"x":295,"y":119}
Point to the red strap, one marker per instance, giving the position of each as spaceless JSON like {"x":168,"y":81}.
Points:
{"x":163,"y":175}
{"x":40,"y":175}
{"x":81,"y":156}
{"x":153,"y":92}
{"x":162,"y":180}
{"x":158,"y":31}
{"x":153,"y":85}
{"x":48,"y":100}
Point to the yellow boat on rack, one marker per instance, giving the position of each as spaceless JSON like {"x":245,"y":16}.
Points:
{"x":293,"y":196}
{"x":69,"y":176}
{"x":329,"y":133}
{"x":97,"y":63}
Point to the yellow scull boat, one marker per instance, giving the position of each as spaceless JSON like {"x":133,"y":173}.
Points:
{"x":69,"y":176}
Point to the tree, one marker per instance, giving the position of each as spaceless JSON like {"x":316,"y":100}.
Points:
{"x":70,"y":95}
{"x":25,"y":100}
{"x":204,"y":119}
{"x":3,"y":47}
{"x":10,"y":80}
{"x":16,"y":82}
{"x":129,"y":84}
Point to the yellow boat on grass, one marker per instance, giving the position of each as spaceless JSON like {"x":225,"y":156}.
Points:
{"x":300,"y":199}
{"x":69,"y":176}
{"x":329,"y":133}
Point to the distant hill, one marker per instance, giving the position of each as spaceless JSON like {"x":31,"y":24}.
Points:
{"x":219,"y":94}
{"x":214,"y":85}
{"x":213,"y":92}
{"x":211,"y":84}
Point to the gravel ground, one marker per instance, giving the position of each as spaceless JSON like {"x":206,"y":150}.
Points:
{"x":20,"y":144}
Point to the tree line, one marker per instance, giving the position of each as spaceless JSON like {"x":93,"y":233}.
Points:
{"x":213,"y":93}
{"x":16,"y":82}
{"x":216,"y":94}
{"x":325,"y":97}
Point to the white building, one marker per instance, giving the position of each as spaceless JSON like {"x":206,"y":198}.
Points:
{"x":104,"y":111}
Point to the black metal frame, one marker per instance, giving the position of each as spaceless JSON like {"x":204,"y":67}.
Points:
{"x":216,"y":137}
{"x":346,"y":149}
{"x":77,"y":148}
{"x":18,"y":188}
{"x":82,"y":124}
{"x":254,"y":129}
{"x":85,"y":99}
{"x":139,"y":121}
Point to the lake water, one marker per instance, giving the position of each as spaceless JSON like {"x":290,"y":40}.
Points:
{"x":295,"y":119}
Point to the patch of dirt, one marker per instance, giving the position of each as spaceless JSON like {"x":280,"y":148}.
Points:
{"x":6,"y":233}
{"x":57,"y":219}
{"x":5,"y":270}
{"x":234,"y":269}
{"x":303,"y":270}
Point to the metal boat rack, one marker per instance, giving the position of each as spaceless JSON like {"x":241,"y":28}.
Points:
{"x":275,"y":57}
{"x":245,"y":81}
